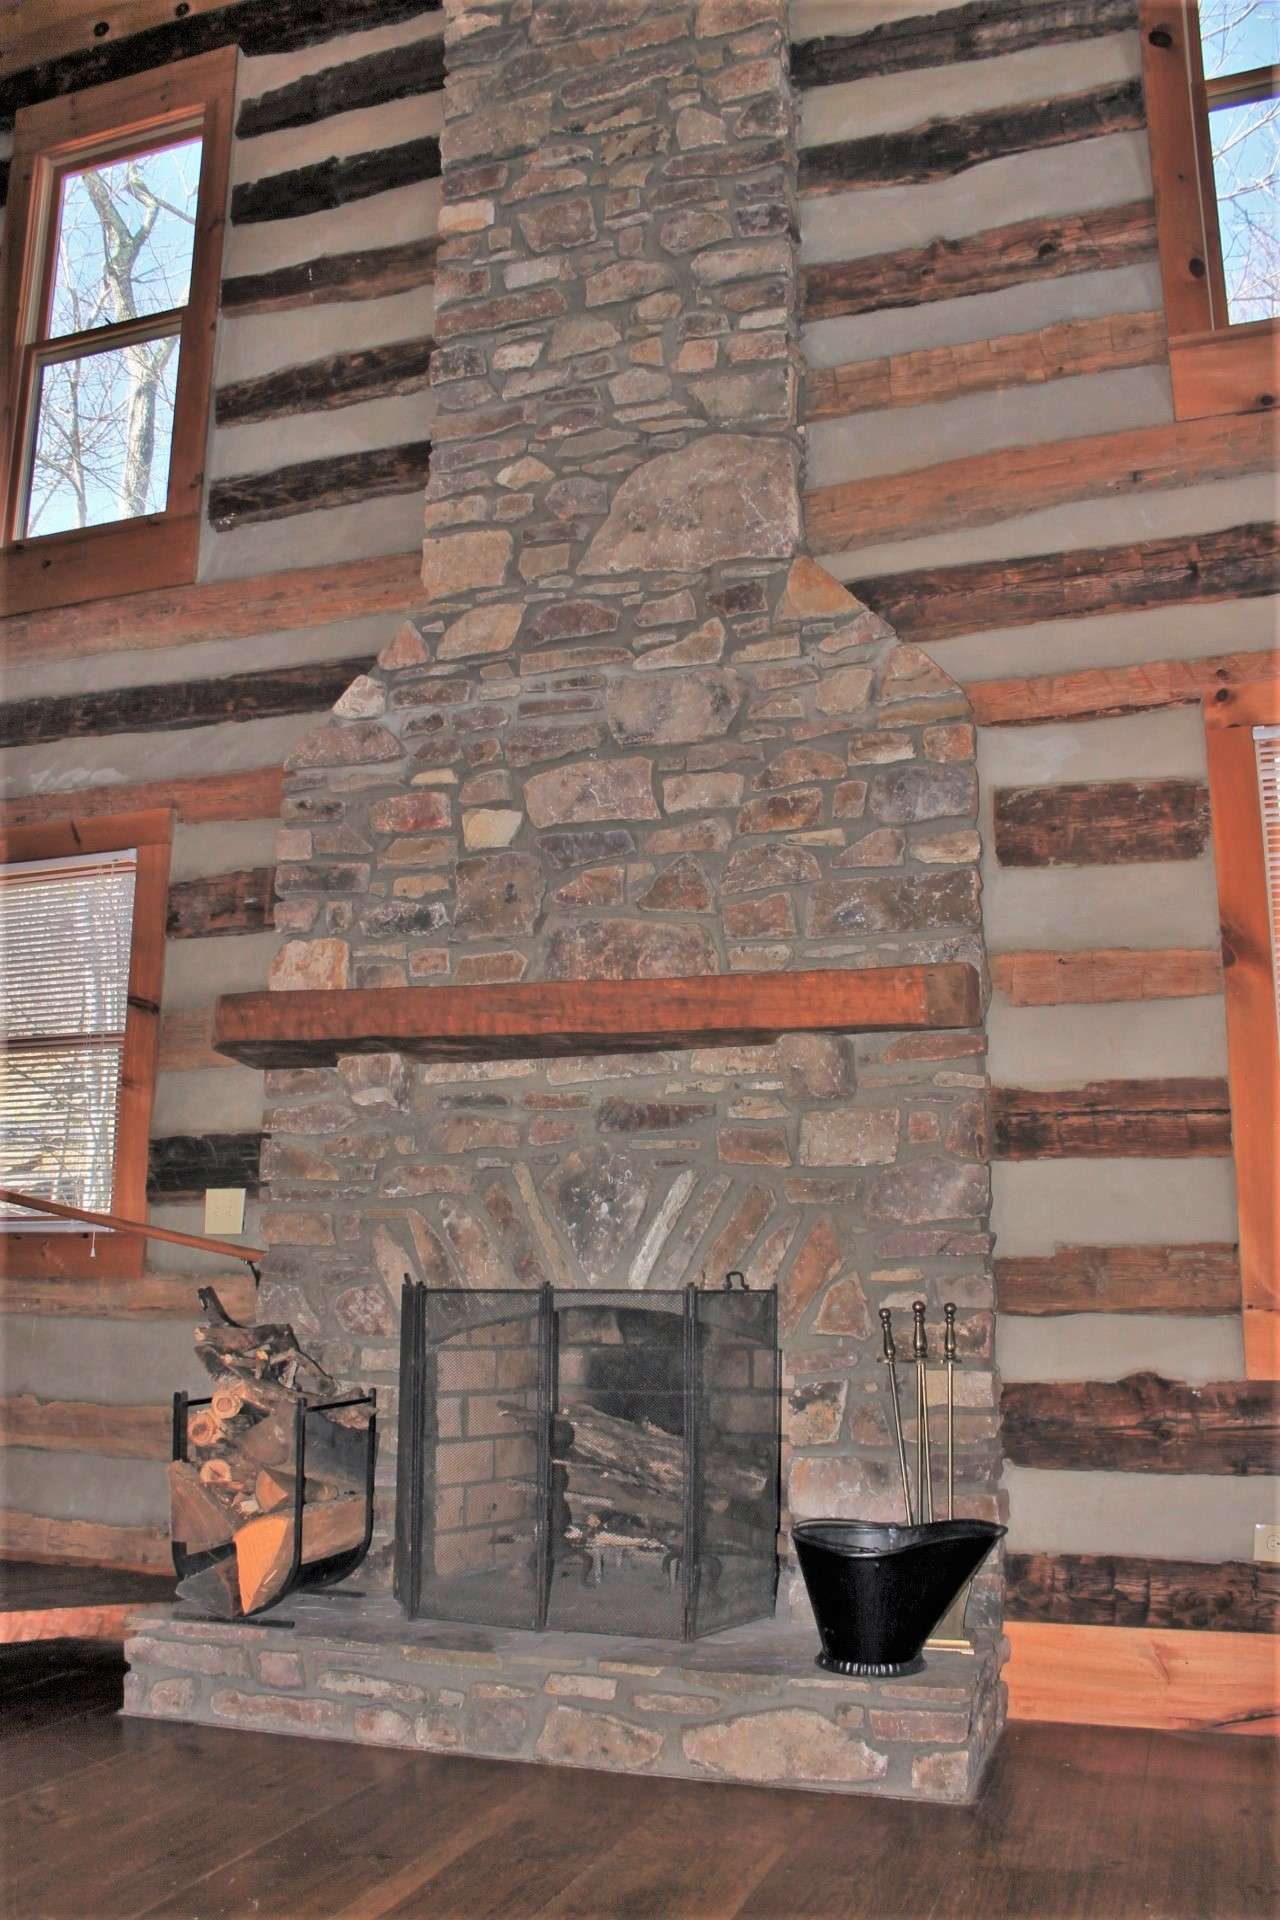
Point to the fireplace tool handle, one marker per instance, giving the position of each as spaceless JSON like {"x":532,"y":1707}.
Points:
{"x":891,"y":1362}
{"x":949,"y":1355}
{"x":924,"y":1469}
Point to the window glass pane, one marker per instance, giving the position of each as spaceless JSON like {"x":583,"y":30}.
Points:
{"x":1246,"y":162}
{"x":65,"y":932}
{"x":124,"y":240}
{"x":1266,"y":743}
{"x":59,"y":1108}
{"x":104,"y":426}
{"x":1239,"y":34}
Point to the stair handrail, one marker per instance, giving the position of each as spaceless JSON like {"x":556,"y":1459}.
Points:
{"x":115,"y":1223}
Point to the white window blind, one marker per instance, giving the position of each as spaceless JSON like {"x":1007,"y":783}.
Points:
{"x":1266,"y":745}
{"x":65,"y":934}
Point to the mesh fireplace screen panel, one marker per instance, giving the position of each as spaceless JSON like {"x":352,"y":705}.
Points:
{"x":589,"y":1461}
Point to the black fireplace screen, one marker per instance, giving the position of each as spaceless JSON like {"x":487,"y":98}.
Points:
{"x":590,"y":1461}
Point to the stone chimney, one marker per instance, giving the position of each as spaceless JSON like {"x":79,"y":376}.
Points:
{"x":635,"y":733}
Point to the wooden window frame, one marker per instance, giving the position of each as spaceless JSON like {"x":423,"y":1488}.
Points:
{"x":50,"y":139}
{"x":1253,"y":1043}
{"x":1215,"y":367}
{"x":28,"y":1253}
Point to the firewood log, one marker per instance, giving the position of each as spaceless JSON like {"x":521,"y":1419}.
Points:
{"x":264,"y":1547}
{"x":214,"y":1589}
{"x":200,"y":1521}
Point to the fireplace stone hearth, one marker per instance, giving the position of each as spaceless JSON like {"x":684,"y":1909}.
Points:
{"x":635,"y":735}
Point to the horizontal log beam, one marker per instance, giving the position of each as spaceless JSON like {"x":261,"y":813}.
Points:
{"x":174,"y":705}
{"x":370,"y":273}
{"x":1143,"y":1677}
{"x":982,"y":30}
{"x":1238,"y":563}
{"x":216,"y":610}
{"x":84,"y":1543}
{"x":589,"y":1016}
{"x":109,"y":1620}
{"x":151,"y":1296}
{"x":1068,"y":348}
{"x":308,"y":486}
{"x":320,"y":386}
{"x":1113,"y":1590}
{"x":984,"y":262}
{"x":181,"y":1166}
{"x":1201,"y":1279}
{"x":332,"y":183}
{"x":981,"y":488}
{"x":1099,"y":693}
{"x":82,"y":1426}
{"x":256,"y":795}
{"x":65,"y":51}
{"x":1124,"y":1119}
{"x":1143,"y":1424}
{"x":222,"y":903}
{"x":941,"y":149}
{"x":1099,"y":975}
{"x":397,"y":73}
{"x":186,"y":1042}
{"x":1101,"y":822}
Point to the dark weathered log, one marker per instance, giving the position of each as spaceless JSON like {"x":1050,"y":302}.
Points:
{"x":222,"y":903}
{"x":394,"y":74}
{"x":340,"y":380}
{"x":335,"y":182}
{"x":939,"y":149}
{"x":1143,"y":1424}
{"x":368,"y":274}
{"x":282,"y":27}
{"x":644,"y":1453}
{"x":214,"y":1589}
{"x":183,"y":1165}
{"x":177,"y":704}
{"x":982,"y":30}
{"x":1194,"y":1279}
{"x":983,"y":262}
{"x":1101,"y":823}
{"x":1109,"y":1590}
{"x":310,"y":485}
{"x":1238,"y":563}
{"x":1127,"y":1119}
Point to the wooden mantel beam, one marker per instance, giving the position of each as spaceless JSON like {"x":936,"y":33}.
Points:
{"x":312,"y":1028}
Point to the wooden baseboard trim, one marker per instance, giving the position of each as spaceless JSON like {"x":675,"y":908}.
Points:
{"x":1144,"y":1677}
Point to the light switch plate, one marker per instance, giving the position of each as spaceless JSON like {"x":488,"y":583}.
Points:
{"x":1266,"y":1541}
{"x":224,"y":1210}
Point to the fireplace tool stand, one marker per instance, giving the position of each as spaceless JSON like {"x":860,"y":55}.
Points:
{"x":949,"y":1635}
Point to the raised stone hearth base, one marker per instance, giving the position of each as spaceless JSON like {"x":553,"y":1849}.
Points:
{"x":747,"y":1705}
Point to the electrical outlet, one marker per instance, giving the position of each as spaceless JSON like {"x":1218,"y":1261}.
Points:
{"x":1266,"y":1541}
{"x":224,"y":1210}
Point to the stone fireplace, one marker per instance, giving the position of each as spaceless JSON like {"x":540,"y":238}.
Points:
{"x":634,"y":735}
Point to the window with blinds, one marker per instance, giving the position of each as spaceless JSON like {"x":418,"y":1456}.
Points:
{"x":1266,"y":747}
{"x":65,"y":936}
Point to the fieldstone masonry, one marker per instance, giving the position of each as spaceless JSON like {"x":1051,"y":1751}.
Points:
{"x":637,"y":733}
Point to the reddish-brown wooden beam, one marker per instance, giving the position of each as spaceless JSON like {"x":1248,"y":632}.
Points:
{"x":215,"y":610}
{"x":255,"y":795}
{"x":1096,"y":693}
{"x":1142,"y":1424}
{"x":1113,"y":1590}
{"x":590,"y":1016}
{"x":981,"y":488}
{"x":1201,"y":1279}
{"x":1112,"y":1119}
{"x":1101,"y":822}
{"x":92,"y":1543}
{"x":1099,"y":974}
{"x":81,"y":1426}
{"x":933,"y":603}
{"x":1070,"y":347}
{"x":151,"y":1296}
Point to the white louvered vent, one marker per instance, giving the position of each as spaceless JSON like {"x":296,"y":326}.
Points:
{"x":65,"y":931}
{"x":1266,"y":743}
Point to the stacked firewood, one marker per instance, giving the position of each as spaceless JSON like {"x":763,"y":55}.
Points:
{"x":233,"y":1499}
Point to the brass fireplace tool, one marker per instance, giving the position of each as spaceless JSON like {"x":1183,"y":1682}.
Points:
{"x":949,"y":1633}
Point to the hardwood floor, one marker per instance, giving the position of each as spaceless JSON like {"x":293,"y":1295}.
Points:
{"x":109,"y":1819}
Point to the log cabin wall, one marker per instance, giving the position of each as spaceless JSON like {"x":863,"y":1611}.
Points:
{"x":993,"y":464}
{"x":194,"y":697}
